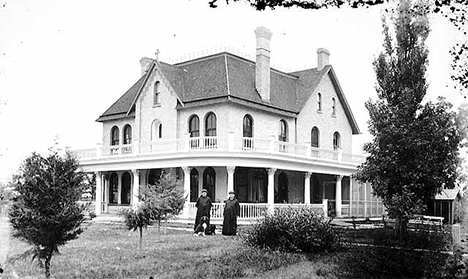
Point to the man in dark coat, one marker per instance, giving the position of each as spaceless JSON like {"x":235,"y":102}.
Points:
{"x":231,"y":211}
{"x":203,"y":206}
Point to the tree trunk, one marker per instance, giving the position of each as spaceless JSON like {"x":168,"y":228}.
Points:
{"x":47,"y":265}
{"x":401,"y":227}
{"x":141,"y":236}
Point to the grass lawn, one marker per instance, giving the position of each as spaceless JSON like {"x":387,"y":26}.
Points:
{"x":111,"y":251}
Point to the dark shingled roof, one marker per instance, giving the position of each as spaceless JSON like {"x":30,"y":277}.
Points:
{"x":120,"y":108}
{"x":221,"y":75}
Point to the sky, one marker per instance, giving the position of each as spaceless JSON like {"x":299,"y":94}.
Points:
{"x":63,"y":63}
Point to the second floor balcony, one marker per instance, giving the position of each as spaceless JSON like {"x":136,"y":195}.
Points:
{"x":229,"y":144}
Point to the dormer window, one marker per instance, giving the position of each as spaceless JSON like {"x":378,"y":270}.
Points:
{"x":156,"y":97}
{"x":333,"y":107}
{"x":319,"y":102}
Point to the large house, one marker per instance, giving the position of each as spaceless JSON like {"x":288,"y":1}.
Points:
{"x":223,"y":122}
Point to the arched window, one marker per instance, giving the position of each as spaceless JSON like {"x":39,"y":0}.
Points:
{"x":210,"y":125}
{"x":194,"y":126}
{"x":156,"y":98}
{"x":333,"y":106}
{"x":113,"y":188}
{"x":281,"y":196}
{"x":248,"y":126}
{"x":127,"y":134}
{"x":209,"y":182}
{"x":126,"y":186}
{"x":247,"y":131}
{"x":193,"y":185}
{"x":319,"y":101}
{"x":336,"y":141}
{"x":314,"y":137}
{"x":115,"y":135}
{"x":160,"y":130}
{"x":283,"y":133}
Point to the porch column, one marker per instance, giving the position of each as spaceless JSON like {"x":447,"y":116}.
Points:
{"x":106,"y":193}
{"x":230,"y":179}
{"x":136,"y":188}
{"x":119,"y":188}
{"x":307,"y":176}
{"x":97,"y":208}
{"x":185,"y":211}
{"x":338,"y":195}
{"x":271,"y":189}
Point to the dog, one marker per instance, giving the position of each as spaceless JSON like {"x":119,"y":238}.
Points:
{"x":204,"y":228}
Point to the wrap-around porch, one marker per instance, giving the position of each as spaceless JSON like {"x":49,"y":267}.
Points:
{"x":257,"y":189}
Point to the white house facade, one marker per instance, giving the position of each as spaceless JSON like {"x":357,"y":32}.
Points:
{"x":223,"y":123}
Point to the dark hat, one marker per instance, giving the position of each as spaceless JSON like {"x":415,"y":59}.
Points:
{"x":204,"y":190}
{"x":232,"y":192}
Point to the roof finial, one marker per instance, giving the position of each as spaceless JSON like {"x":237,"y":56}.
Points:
{"x":157,"y":54}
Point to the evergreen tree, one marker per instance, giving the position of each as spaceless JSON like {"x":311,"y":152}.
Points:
{"x":45,"y":212}
{"x":414,"y":153}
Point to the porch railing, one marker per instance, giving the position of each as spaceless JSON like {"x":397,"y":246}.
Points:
{"x":249,"y":210}
{"x":215,"y":144}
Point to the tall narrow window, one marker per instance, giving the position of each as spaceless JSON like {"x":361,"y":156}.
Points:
{"x":210,"y":130}
{"x":127,"y":134}
{"x":125,"y":194}
{"x":193,"y":185}
{"x":247,"y":131}
{"x":319,"y":101}
{"x":115,"y":135}
{"x":336,"y":141}
{"x":113,"y":188}
{"x":209,"y":182}
{"x":247,"y":126}
{"x":160,"y":131}
{"x":314,"y":137}
{"x":210,"y":125}
{"x":156,"y":99}
{"x":333,"y":106}
{"x":194,"y":126}
{"x":283,"y":133}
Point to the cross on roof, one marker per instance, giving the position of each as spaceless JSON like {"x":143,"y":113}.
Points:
{"x":157,"y":54}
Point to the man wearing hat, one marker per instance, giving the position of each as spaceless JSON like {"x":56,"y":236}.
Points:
{"x":203,"y":206}
{"x":231,"y":211}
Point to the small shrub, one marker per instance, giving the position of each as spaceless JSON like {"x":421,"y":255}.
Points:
{"x":294,"y":230}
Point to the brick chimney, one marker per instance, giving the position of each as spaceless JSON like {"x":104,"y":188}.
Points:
{"x":323,"y":58}
{"x":262,"y":65}
{"x":145,"y":62}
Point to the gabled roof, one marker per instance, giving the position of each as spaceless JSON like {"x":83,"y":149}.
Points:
{"x":225,"y":76}
{"x":447,"y":194}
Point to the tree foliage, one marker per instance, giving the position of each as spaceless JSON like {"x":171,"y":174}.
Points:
{"x":454,"y":10}
{"x":414,"y":153}
{"x":161,"y":201}
{"x":45,"y":213}
{"x":165,"y":199}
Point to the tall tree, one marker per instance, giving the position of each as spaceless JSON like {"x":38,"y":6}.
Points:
{"x":414,"y":153}
{"x":45,"y":212}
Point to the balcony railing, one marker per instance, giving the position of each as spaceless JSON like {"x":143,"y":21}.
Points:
{"x":218,"y":144}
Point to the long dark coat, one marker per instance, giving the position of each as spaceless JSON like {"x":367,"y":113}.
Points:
{"x":203,"y":206}
{"x":231,"y":211}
